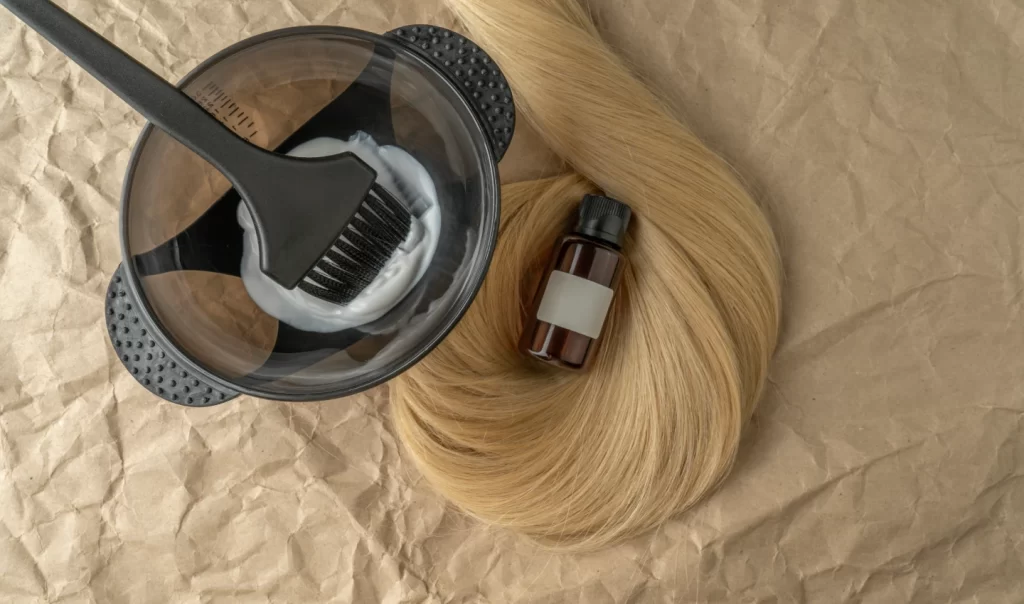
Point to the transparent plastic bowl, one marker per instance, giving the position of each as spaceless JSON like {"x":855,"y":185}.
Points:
{"x":179,"y":242}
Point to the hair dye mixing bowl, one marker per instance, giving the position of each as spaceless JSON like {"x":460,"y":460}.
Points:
{"x":181,"y":318}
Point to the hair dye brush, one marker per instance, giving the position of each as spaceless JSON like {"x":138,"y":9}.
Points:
{"x":324,"y":224}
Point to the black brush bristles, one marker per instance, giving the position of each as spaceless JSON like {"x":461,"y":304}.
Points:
{"x":357,"y":257}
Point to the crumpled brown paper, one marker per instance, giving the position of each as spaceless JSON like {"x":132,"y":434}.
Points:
{"x":885,"y":464}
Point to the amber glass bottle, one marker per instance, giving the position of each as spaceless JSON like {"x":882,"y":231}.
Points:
{"x":571,"y":305}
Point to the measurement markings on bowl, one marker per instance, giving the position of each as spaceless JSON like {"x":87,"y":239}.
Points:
{"x":218,"y":103}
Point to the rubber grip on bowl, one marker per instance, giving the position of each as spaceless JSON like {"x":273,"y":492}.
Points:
{"x":160,"y":370}
{"x":475,"y":74}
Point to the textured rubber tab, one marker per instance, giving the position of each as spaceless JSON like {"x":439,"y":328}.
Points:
{"x":475,"y":73}
{"x":159,"y":370}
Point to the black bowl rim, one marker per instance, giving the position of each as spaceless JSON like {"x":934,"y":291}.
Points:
{"x":489,"y":234}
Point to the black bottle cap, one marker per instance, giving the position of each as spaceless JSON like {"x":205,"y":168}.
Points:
{"x":604,"y":218}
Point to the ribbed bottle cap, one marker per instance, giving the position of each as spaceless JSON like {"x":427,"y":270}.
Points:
{"x":604,"y":218}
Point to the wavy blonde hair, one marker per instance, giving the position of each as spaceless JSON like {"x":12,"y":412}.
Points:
{"x":580,"y":461}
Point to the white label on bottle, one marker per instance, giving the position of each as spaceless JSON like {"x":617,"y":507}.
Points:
{"x":576,"y":304}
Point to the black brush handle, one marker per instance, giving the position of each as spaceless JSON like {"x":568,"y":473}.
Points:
{"x":291,"y":242}
{"x":161,"y":103}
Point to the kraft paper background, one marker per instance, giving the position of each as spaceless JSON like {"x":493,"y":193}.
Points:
{"x":885,"y":464}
